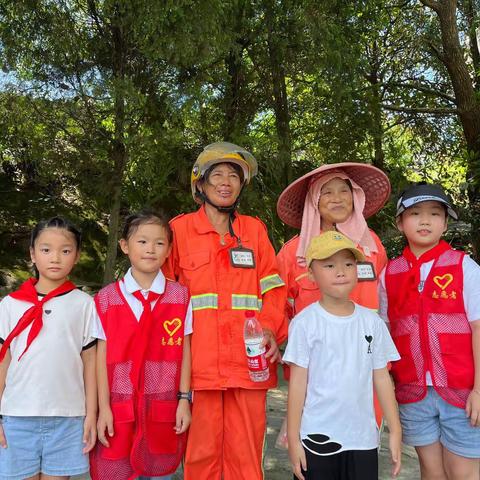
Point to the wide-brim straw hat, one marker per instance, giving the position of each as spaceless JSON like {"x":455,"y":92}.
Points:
{"x":371,"y":179}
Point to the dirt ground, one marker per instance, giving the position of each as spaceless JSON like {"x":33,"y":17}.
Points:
{"x":277,"y":466}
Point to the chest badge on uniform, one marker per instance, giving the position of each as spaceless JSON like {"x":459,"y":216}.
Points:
{"x":241,"y":257}
{"x":365,"y":272}
{"x":443,"y":281}
{"x":172,"y":326}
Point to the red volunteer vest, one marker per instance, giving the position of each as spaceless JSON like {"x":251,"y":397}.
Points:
{"x":430,"y":330}
{"x":144,"y":442}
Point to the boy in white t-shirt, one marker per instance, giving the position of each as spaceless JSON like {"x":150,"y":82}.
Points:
{"x":337,"y":350}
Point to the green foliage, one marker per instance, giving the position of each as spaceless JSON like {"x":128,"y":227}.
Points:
{"x":108,"y":96}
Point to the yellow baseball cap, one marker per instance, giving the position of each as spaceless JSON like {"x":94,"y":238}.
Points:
{"x":329,"y":243}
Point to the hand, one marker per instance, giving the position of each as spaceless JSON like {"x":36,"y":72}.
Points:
{"x":473,"y":408}
{"x":297,"y":458}
{"x":273,"y":352}
{"x":105,"y":422}
{"x":89,"y":433}
{"x":183,"y":417}
{"x":395,"y":445}
{"x":3,"y":440}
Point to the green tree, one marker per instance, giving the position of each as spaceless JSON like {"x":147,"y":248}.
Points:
{"x":108,"y":61}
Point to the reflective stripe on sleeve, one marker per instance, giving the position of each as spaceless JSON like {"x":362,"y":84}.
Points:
{"x":245,"y":302}
{"x":272,"y":281}
{"x":206,"y":300}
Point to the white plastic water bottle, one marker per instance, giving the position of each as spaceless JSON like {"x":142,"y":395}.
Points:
{"x":253,"y":336}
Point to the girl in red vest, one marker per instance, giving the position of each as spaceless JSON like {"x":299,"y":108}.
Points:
{"x":430,"y":297}
{"x":47,"y":364}
{"x":143,"y":361}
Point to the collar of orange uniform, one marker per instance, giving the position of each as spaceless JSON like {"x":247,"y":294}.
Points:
{"x":202,"y":224}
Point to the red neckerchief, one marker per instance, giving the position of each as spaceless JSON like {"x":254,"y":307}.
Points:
{"x":142,"y":336}
{"x":416,"y":263}
{"x":33,"y":315}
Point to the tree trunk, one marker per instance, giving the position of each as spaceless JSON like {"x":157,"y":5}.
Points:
{"x":453,"y":58}
{"x":118,"y":153}
{"x":119,"y":156}
{"x":376,"y":128}
{"x":232,"y":93}
{"x":234,"y":125}
{"x":280,"y":97}
{"x":467,"y":102}
{"x":472,"y":23}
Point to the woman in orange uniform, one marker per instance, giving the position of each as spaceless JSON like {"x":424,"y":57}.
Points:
{"x":339,"y":197}
{"x":229,"y":265}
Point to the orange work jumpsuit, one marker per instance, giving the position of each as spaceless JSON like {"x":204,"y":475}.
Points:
{"x":228,"y":414}
{"x":301,"y":291}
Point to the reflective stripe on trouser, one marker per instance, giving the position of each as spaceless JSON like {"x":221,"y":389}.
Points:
{"x":207,"y":300}
{"x":272,"y":281}
{"x":226,"y":436}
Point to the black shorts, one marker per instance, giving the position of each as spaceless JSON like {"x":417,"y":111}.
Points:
{"x":347,"y":465}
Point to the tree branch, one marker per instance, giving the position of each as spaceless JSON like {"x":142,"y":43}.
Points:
{"x":422,"y":110}
{"x":422,"y":88}
{"x":436,"y":51}
{"x":431,"y":4}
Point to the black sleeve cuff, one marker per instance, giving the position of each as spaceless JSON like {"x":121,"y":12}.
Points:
{"x":89,"y":345}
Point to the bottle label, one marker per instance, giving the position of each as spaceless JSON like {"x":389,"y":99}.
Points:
{"x":255,"y":356}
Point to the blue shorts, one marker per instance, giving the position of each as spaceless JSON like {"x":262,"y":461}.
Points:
{"x":50,"y":445}
{"x":433,"y":419}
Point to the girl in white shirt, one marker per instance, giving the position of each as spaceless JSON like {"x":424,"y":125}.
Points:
{"x":47,"y":364}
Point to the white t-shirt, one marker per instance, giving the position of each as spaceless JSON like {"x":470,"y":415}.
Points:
{"x":129,"y":285}
{"x":48,"y":380}
{"x":340,"y":354}
{"x":471,"y":292}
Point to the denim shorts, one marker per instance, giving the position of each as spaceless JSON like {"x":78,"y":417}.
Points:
{"x":433,"y":419}
{"x":51,"y":445}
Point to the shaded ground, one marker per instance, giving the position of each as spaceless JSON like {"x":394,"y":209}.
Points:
{"x":277,"y":466}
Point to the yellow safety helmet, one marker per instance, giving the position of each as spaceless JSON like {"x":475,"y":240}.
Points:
{"x":222,"y":152}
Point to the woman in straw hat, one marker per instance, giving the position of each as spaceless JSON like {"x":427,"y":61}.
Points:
{"x":332,"y":197}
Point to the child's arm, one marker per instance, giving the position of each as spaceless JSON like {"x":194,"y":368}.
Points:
{"x":4,"y":364}
{"x":90,"y":381}
{"x":386,"y":395}
{"x":473,"y":400}
{"x":297,"y":389}
{"x":184,"y":416}
{"x":105,"y":416}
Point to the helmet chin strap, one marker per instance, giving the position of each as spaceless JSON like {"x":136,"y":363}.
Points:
{"x":229,"y":210}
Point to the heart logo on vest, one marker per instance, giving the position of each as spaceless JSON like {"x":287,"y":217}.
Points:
{"x":443,"y":281}
{"x":172,"y":326}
